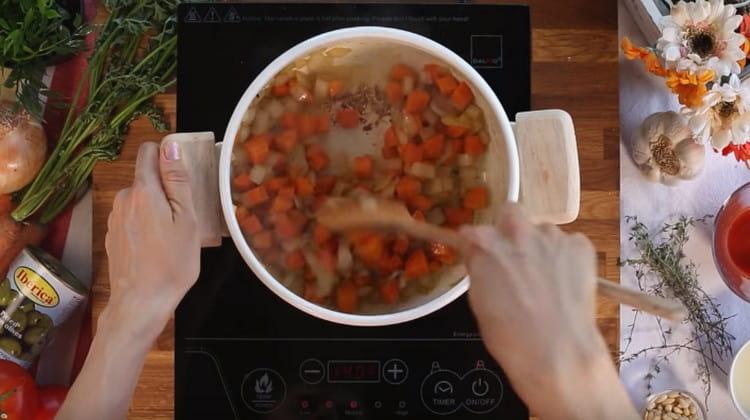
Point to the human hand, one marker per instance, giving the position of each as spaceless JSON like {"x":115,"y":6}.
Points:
{"x":153,"y":242}
{"x":533,"y":292}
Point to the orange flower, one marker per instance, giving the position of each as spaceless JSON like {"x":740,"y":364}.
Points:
{"x":745,"y":26}
{"x":746,"y":50}
{"x":741,"y":152}
{"x":689,"y":87}
{"x":653,"y":65}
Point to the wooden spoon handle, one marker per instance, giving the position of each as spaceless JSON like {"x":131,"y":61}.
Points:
{"x":665,"y":308}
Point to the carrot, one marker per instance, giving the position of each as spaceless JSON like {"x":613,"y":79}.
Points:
{"x":363,"y":166}
{"x":475,"y":198}
{"x":417,"y":101}
{"x":347,"y":118}
{"x":335,"y":87}
{"x":416,"y":265}
{"x":408,"y":187}
{"x":394,"y":92}
{"x":327,"y":257}
{"x":325,"y":184}
{"x":323,"y":124}
{"x":347,"y":298}
{"x":362,"y":279}
{"x":295,"y":260}
{"x":389,"y":290}
{"x":456,"y":131}
{"x":420,"y":202}
{"x":446,"y":84}
{"x":442,"y":252}
{"x":356,"y":236}
{"x":321,"y":234}
{"x":456,"y":146}
{"x":370,"y":249}
{"x":433,"y":147}
{"x":304,"y":186}
{"x":389,"y":152}
{"x":401,"y":71}
{"x":280,"y":90}
{"x":318,"y":201}
{"x":462,"y":96}
{"x":276,"y":183}
{"x":317,"y":157}
{"x":473,"y":145}
{"x":435,"y":265}
{"x":258,"y":148}
{"x":286,"y":140}
{"x":391,"y":139}
{"x":281,"y":204}
{"x":418,"y":215}
{"x":412,"y":153}
{"x":262,"y":240}
{"x":307,"y":125}
{"x":435,"y":71}
{"x":249,"y":223}
{"x":389,"y":263}
{"x":256,"y":196}
{"x":310,"y":293}
{"x":458,"y":216}
{"x":289,"y":120}
{"x":241,"y":183}
{"x":401,"y":245}
{"x":298,"y":219}
{"x":286,"y":192}
{"x":285,"y":227}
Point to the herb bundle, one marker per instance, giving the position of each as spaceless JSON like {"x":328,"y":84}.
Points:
{"x":32,"y":34}
{"x":663,"y":270}
{"x":134,"y":58}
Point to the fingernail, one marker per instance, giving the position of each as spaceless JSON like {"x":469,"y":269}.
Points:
{"x":172,"y":151}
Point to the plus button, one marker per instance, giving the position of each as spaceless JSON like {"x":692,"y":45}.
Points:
{"x":395,"y":371}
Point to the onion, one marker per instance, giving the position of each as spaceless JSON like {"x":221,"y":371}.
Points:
{"x":344,"y":261}
{"x":412,"y":125}
{"x":408,"y":85}
{"x":430,"y":116}
{"x":261,"y":122}
{"x":337,"y":52}
{"x":434,"y":187}
{"x":321,"y":89}
{"x":300,"y":93}
{"x":258,"y":174}
{"x":23,"y":148}
{"x":390,"y":165}
{"x":244,"y":133}
{"x":465,"y":160}
{"x":422,"y":170}
{"x":435,"y":216}
{"x":275,"y":109}
{"x":457,"y":121}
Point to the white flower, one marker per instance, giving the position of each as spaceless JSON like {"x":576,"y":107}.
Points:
{"x":701,"y":35}
{"x":723,"y":117}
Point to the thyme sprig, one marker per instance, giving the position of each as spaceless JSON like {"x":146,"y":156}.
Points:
{"x":663,"y":270}
{"x":134,"y":58}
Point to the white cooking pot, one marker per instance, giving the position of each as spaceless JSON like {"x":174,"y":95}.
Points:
{"x":534,"y":159}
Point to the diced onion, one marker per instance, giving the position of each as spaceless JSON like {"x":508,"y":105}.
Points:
{"x":300,"y":93}
{"x":422,"y":170}
{"x":293,"y":244}
{"x":434,"y":187}
{"x":430,"y":116}
{"x":339,"y":188}
{"x":326,"y":279}
{"x":273,"y":159}
{"x":427,"y":132}
{"x":298,"y":160}
{"x":249,"y":115}
{"x":382,"y":182}
{"x":425,"y":77}
{"x":275,"y":109}
{"x":291,"y":105}
{"x":411,"y":125}
{"x":484,"y":137}
{"x":468,"y":175}
{"x":304,"y":80}
{"x":435,"y":216}
{"x":441,"y":105}
{"x":344,"y":261}
{"x":465,"y":160}
{"x":244,"y":132}
{"x":258,"y":174}
{"x":261,"y":122}
{"x":390,"y":165}
{"x":408,"y":85}
{"x":448,"y":184}
{"x":321,"y":89}
{"x":473,"y":112}
{"x":337,"y":52}
{"x":456,"y":121}
{"x":402,"y":137}
{"x":388,"y":191}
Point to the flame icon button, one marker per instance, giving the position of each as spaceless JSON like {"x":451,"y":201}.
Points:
{"x":263,"y":390}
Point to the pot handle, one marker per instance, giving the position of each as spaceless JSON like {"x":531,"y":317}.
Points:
{"x":201,"y":156}
{"x":550,"y":177}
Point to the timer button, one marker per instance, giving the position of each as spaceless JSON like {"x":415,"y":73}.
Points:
{"x":263,"y":390}
{"x":482,"y":390}
{"x":441,"y":392}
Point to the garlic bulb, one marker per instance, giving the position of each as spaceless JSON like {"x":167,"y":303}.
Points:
{"x":665,"y":151}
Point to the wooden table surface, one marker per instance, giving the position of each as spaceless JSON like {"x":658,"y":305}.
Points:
{"x":574,"y":68}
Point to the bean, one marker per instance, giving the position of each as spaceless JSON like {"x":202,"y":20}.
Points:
{"x":673,"y":394}
{"x":667,"y":407}
{"x":677,"y":410}
{"x":660,"y":399}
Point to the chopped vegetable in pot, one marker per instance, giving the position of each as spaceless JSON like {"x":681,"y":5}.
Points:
{"x":429,"y":156}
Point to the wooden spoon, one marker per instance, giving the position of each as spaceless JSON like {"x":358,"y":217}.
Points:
{"x":342,"y":214}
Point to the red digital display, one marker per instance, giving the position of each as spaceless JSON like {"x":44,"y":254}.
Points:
{"x":353,"y":371}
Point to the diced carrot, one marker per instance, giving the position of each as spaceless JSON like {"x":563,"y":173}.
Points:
{"x":401,"y":244}
{"x":417,"y":101}
{"x":475,"y":198}
{"x":356,"y":236}
{"x":256,"y":196}
{"x":298,"y":219}
{"x":280,"y":89}
{"x":456,"y":146}
{"x":362,"y":279}
{"x":391,"y":139}
{"x":408,"y":187}
{"x":335,"y":87}
{"x":446,"y":84}
{"x":458,"y":216}
{"x":347,"y":298}
{"x":370,"y":249}
{"x":285,"y":227}
{"x":276,"y":183}
{"x":282,"y":204}
{"x":462,"y":96}
{"x":289,"y":120}
{"x":321,"y":234}
{"x":390,"y":263}
{"x":418,"y":215}
{"x":287,"y":192}
{"x":323,"y":124}
{"x":389,"y":152}
{"x":262,"y":240}
{"x":435,"y":71}
{"x":258,"y":148}
{"x":416,"y":265}
{"x":286,"y":140}
{"x":325,"y":184}
{"x":304,"y":186}
{"x":241,"y":182}
{"x":310,"y":292}
{"x":473,"y":145}
{"x":456,"y":131}
{"x":420,"y":202}
{"x":363,"y":166}
{"x":394,"y":92}
{"x":318,"y":201}
{"x":249,"y":223}
{"x":327,"y":257}
{"x":389,"y":290}
{"x":442,"y":252}
{"x":433,"y":147}
{"x":295,"y":260}
{"x":307,"y":125}
{"x":317,"y":157}
{"x":401,"y":71}
{"x":435,"y":265}
{"x":347,"y":118}
{"x":412,"y":153}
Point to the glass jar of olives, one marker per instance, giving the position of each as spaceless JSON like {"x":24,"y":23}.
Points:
{"x":37,"y":295}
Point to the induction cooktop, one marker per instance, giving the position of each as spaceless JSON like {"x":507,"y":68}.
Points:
{"x":240,"y":351}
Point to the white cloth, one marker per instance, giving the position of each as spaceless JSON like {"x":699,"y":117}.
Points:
{"x":642,"y":94}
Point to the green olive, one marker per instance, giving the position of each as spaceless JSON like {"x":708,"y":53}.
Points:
{"x":10,"y":346}
{"x":5,"y":286}
{"x":7,"y":297}
{"x":20,"y":321}
{"x":27,"y":305}
{"x":38,"y":319}
{"x":27,"y":357}
{"x":34,"y":336}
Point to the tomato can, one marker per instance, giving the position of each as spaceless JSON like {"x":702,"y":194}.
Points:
{"x":37,"y":294}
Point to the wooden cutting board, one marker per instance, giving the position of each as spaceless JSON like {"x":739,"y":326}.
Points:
{"x":574,"y":67}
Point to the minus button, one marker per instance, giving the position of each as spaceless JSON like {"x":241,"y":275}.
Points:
{"x":312,"y":371}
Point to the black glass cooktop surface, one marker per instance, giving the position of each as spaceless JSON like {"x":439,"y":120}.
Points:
{"x":240,"y":351}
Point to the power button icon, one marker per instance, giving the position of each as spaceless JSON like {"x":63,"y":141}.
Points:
{"x":480,"y":387}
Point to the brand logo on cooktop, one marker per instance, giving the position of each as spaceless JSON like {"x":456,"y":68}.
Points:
{"x":487,"y":51}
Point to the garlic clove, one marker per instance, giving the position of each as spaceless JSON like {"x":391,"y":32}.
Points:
{"x":692,"y":158}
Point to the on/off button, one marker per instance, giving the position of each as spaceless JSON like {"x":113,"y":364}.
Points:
{"x":312,"y":371}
